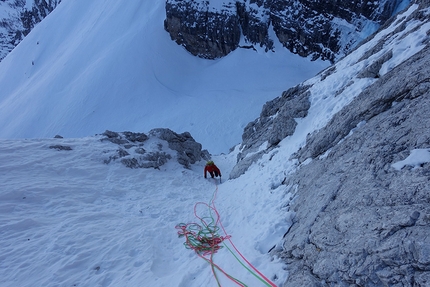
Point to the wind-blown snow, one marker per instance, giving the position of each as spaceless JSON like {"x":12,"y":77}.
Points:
{"x":96,"y":65}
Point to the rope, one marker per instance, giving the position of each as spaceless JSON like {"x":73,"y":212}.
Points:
{"x":264,"y":279}
{"x":205,"y":241}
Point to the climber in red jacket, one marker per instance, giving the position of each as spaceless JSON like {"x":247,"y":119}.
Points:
{"x":212,"y":169}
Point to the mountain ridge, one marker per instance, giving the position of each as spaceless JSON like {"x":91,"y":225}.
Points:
{"x":359,"y":177}
{"x":326,"y":30}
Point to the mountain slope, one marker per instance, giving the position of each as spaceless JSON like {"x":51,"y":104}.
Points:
{"x":355,"y":156}
{"x":18,"y":18}
{"x":320,"y":29}
{"x":332,"y":190}
{"x":369,"y":224}
{"x":92,"y":66}
{"x":74,"y":214}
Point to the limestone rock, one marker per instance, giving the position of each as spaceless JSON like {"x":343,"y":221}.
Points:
{"x":188,"y":150}
{"x":138,"y":150}
{"x":321,"y":29}
{"x":358,"y":220}
{"x":361,"y":210}
{"x":276,"y":121}
{"x":202,"y":31}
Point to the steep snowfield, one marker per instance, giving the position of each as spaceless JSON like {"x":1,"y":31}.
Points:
{"x":97,"y":65}
{"x":68,"y":219}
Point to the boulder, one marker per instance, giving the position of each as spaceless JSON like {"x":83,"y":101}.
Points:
{"x":133,"y":153}
{"x":188,"y":150}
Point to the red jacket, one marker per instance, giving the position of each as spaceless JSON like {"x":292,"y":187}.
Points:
{"x":212,"y":168}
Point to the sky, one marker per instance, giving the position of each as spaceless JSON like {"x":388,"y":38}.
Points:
{"x":96,"y":65}
{"x":69,"y":219}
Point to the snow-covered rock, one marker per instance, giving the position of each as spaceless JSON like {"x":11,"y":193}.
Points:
{"x":138,"y":150}
{"x":343,"y":81}
{"x":358,"y":219}
{"x":361,"y":197}
{"x":321,"y":29}
{"x":332,"y":182}
{"x":18,"y":18}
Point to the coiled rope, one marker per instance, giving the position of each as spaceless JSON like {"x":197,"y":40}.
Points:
{"x":205,"y":240}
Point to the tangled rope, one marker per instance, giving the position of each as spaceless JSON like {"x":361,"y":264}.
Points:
{"x":204,"y":239}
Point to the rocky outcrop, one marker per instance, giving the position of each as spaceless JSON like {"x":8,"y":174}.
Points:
{"x":18,"y":21}
{"x":138,"y":150}
{"x":40,"y":9}
{"x":188,"y":150}
{"x":276,"y":121}
{"x":321,"y":29}
{"x":278,"y":118}
{"x":360,"y":192}
{"x":203,"y":31}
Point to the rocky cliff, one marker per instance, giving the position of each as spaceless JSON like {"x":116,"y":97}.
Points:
{"x":363,"y":213}
{"x":17,"y":20}
{"x":320,"y":29}
{"x":360,"y":188}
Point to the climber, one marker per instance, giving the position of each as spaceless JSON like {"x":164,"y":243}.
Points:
{"x":212,"y":169}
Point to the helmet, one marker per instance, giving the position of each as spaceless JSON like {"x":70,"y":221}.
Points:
{"x":210,"y":163}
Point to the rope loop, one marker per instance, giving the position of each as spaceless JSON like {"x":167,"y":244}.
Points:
{"x":204,"y":239}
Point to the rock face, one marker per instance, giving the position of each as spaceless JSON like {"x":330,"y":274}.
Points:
{"x":361,"y":204}
{"x":202,"y":31}
{"x":359,"y":220}
{"x":40,"y":9}
{"x":18,"y":21}
{"x":278,"y":117}
{"x":276,"y":121}
{"x":321,"y":29}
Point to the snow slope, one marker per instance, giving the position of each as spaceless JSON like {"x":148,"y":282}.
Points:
{"x":96,"y":65}
{"x":69,"y":219}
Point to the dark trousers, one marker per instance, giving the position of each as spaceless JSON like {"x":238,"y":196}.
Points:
{"x":214,"y":173}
